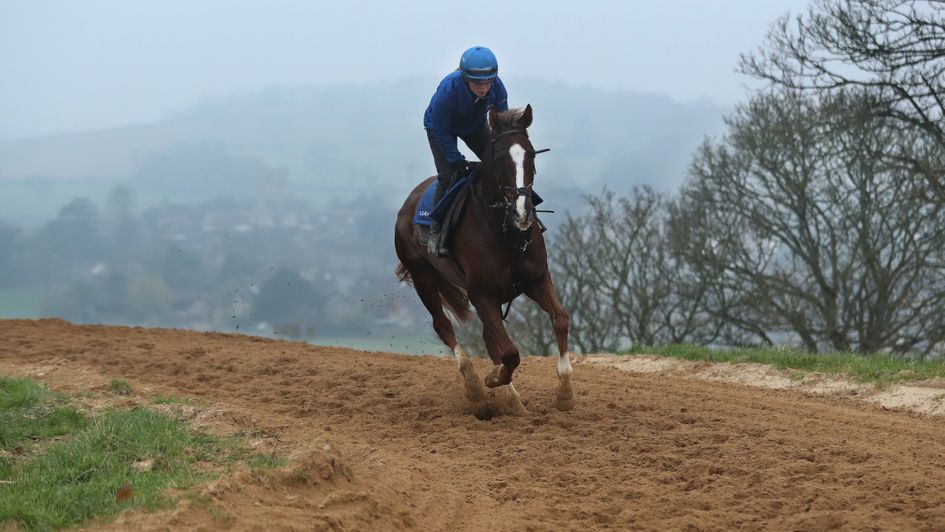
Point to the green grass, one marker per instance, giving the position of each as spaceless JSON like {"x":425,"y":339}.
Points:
{"x":878,"y":367}
{"x":28,"y":412}
{"x":75,"y":476}
{"x":119,"y":387}
{"x":266,"y":461}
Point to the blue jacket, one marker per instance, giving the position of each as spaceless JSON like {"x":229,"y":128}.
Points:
{"x":454,"y":111}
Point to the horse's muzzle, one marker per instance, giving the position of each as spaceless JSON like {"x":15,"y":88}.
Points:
{"x":523,"y":212}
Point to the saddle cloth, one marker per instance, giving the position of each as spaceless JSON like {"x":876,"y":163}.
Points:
{"x":446,"y":212}
{"x":427,"y":210}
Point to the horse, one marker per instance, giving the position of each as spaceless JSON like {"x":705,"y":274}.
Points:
{"x":497,"y":253}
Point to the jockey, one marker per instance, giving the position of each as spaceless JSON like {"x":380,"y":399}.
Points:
{"x":458,"y":109}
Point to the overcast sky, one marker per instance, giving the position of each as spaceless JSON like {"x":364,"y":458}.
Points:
{"x":78,"y":65}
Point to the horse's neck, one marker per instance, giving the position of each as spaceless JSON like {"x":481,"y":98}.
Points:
{"x":488,"y":185}
{"x":490,"y":196}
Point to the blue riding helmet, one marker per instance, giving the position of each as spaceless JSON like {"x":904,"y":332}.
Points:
{"x":479,"y":64}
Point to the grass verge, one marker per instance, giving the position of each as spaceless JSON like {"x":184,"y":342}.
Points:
{"x":879,"y":368}
{"x":98,"y":466}
{"x":29,"y":412}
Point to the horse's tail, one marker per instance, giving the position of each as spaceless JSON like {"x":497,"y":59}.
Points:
{"x":455,"y":301}
{"x":403,"y":274}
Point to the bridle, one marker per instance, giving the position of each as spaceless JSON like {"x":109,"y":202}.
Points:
{"x":505,"y":203}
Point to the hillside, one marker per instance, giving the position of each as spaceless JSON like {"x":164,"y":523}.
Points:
{"x":344,"y":141}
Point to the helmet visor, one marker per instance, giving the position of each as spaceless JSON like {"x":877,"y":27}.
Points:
{"x":480,"y":74}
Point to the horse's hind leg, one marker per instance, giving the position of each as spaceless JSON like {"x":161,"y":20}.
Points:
{"x":543,"y":293}
{"x":425,"y":283}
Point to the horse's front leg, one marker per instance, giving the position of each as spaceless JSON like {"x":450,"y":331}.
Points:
{"x":504,"y":355}
{"x":502,"y":351}
{"x":543,"y":293}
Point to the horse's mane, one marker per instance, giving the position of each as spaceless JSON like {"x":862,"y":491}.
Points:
{"x":503,"y":120}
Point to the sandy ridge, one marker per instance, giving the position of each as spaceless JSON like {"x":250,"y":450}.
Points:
{"x":924,"y":397}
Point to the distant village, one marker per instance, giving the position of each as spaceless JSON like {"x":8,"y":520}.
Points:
{"x":271,"y":265}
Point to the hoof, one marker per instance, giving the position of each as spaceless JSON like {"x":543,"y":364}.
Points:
{"x":564,"y":404}
{"x":492,"y":379}
{"x":500,"y":401}
{"x":508,"y":402}
{"x":564,"y":395}
{"x":496,"y":377}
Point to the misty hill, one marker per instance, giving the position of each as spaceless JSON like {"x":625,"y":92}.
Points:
{"x":341,"y":142}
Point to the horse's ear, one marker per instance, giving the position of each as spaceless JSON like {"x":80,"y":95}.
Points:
{"x":492,"y":115}
{"x":526,"y":119}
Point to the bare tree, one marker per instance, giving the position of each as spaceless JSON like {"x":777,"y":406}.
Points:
{"x":701,"y":236}
{"x":655,"y":297}
{"x":811,"y":236}
{"x":895,"y":49}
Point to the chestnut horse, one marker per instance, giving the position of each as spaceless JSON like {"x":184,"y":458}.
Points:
{"x":498,"y":252}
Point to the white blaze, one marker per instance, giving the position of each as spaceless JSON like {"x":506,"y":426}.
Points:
{"x":518,"y":157}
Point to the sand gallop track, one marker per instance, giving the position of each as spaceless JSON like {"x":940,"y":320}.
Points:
{"x":392,"y":447}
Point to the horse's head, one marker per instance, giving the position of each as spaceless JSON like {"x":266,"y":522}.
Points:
{"x":513,"y":161}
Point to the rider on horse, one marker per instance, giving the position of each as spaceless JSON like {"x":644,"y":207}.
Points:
{"x":458,"y":109}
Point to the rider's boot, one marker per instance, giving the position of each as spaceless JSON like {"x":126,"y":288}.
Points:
{"x":433,"y":242}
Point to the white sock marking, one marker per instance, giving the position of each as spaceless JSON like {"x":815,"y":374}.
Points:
{"x":460,"y":355}
{"x":564,"y":363}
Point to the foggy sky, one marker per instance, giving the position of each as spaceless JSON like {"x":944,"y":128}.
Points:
{"x":76,"y":65}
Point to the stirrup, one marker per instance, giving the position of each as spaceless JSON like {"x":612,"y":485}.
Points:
{"x":433,"y":243}
{"x":436,"y":250}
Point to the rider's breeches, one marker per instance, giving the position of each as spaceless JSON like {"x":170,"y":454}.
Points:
{"x":476,"y":142}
